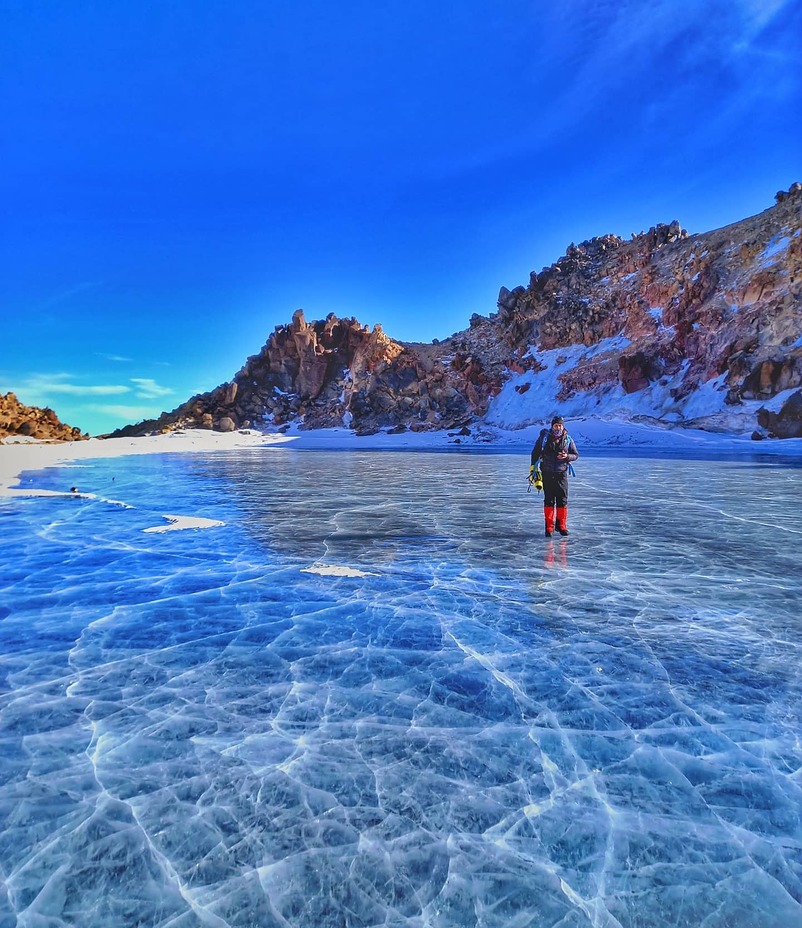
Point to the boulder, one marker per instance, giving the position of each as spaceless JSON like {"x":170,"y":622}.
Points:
{"x":787,"y":423}
{"x":772,"y":376}
{"x":636,"y":371}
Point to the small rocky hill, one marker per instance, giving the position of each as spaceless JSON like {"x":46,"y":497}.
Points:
{"x":33,"y":422}
{"x":337,"y":372}
{"x":651,"y":324}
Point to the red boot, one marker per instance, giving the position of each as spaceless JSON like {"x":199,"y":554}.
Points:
{"x":562,"y":520}
{"x":548,"y":514}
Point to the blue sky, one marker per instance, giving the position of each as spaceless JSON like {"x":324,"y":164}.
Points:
{"x":177,"y":178}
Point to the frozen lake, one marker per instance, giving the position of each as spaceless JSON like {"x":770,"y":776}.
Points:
{"x":479,"y":727}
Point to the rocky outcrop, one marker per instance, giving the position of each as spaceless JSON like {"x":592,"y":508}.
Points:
{"x":17,"y":419}
{"x":662,"y":308}
{"x":337,"y":372}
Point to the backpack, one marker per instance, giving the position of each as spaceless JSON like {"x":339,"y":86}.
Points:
{"x":566,"y":440}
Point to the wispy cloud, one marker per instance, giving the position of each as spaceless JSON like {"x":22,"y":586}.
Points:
{"x":75,"y":389}
{"x":759,"y":13}
{"x":40,"y":389}
{"x":601,"y":49}
{"x":649,"y":65}
{"x":148,"y":389}
{"x":64,"y":296}
{"x":113,"y":357}
{"x":47,"y":389}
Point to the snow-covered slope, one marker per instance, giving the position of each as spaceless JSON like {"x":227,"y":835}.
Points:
{"x":533,"y":397}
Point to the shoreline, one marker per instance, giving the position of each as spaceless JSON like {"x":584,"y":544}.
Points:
{"x":18,"y":456}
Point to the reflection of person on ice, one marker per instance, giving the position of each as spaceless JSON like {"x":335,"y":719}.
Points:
{"x":555,"y":449}
{"x":556,"y":557}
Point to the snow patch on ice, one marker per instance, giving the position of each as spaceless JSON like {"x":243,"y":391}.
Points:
{"x":333,"y":570}
{"x":179,"y":523}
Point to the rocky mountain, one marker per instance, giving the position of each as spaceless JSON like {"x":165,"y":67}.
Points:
{"x":33,"y":422}
{"x":338,"y":372}
{"x":686,"y":330}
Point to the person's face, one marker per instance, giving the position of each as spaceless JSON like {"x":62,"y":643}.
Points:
{"x":557,"y":428}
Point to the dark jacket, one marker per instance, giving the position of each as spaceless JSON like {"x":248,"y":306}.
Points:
{"x":546,"y":450}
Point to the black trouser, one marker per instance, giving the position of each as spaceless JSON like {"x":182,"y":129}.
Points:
{"x":555,"y":489}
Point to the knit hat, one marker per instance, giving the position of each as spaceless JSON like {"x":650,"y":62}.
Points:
{"x":556,"y":420}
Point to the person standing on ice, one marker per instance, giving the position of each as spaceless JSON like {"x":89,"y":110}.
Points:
{"x":555,"y":449}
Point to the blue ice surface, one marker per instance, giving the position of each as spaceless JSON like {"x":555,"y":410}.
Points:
{"x":485,"y":728}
